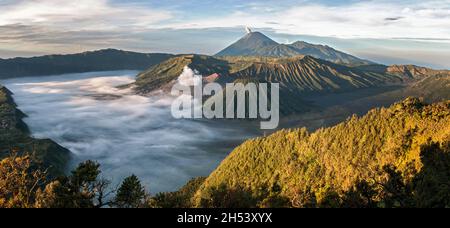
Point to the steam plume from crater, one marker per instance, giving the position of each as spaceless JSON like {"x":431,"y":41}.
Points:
{"x":248,"y":29}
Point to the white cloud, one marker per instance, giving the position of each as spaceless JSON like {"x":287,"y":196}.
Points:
{"x":373,"y":19}
{"x":79,"y":14}
{"x":127,"y":133}
{"x":189,"y":77}
{"x":35,"y":27}
{"x":370,"y":19}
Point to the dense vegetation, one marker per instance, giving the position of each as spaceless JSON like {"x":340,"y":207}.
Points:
{"x":22,"y":185}
{"x":394,"y":157}
{"x":15,"y":137}
{"x":25,"y":184}
{"x":102,"y":60}
{"x":391,"y":157}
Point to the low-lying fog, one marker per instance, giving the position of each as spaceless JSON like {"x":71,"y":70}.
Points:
{"x":127,"y":134}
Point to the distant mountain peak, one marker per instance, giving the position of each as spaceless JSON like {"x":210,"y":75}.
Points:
{"x":248,"y":45}
{"x":258,"y":44}
{"x":256,"y":38}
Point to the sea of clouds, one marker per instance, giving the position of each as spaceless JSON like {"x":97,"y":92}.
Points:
{"x":126,"y":133}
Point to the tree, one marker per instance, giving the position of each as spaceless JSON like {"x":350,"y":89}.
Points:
{"x":183,"y":198}
{"x":362,"y":195}
{"x":304,"y":198}
{"x":395,"y":193}
{"x":131,"y":194}
{"x":228,"y":197}
{"x":19,"y":182}
{"x":82,"y":189}
{"x":432,"y":183}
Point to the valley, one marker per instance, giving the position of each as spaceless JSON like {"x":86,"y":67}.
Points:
{"x":346,"y":124}
{"x":126,"y":133}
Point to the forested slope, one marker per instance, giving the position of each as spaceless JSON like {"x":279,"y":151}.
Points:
{"x":397,"y":156}
{"x":15,"y":137}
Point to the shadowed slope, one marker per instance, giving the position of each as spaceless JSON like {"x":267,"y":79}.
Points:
{"x":15,"y":137}
{"x":101,"y":60}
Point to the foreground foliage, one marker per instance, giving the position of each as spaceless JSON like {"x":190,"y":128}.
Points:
{"x":19,"y":183}
{"x":25,"y":186}
{"x":391,"y":157}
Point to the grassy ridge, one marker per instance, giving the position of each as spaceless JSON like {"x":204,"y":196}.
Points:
{"x":166,"y":72}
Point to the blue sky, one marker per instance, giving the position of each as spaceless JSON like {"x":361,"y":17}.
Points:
{"x":389,"y":32}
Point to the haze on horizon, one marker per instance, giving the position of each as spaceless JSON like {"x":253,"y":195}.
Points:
{"x":401,"y":32}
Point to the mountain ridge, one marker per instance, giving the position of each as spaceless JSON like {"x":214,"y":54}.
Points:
{"x":258,"y":44}
{"x":306,"y":73}
{"x":297,"y":76}
{"x":166,"y":72}
{"x":312,"y":74}
{"x":413,"y":71}
{"x":15,"y":136}
{"x":99,"y":60}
